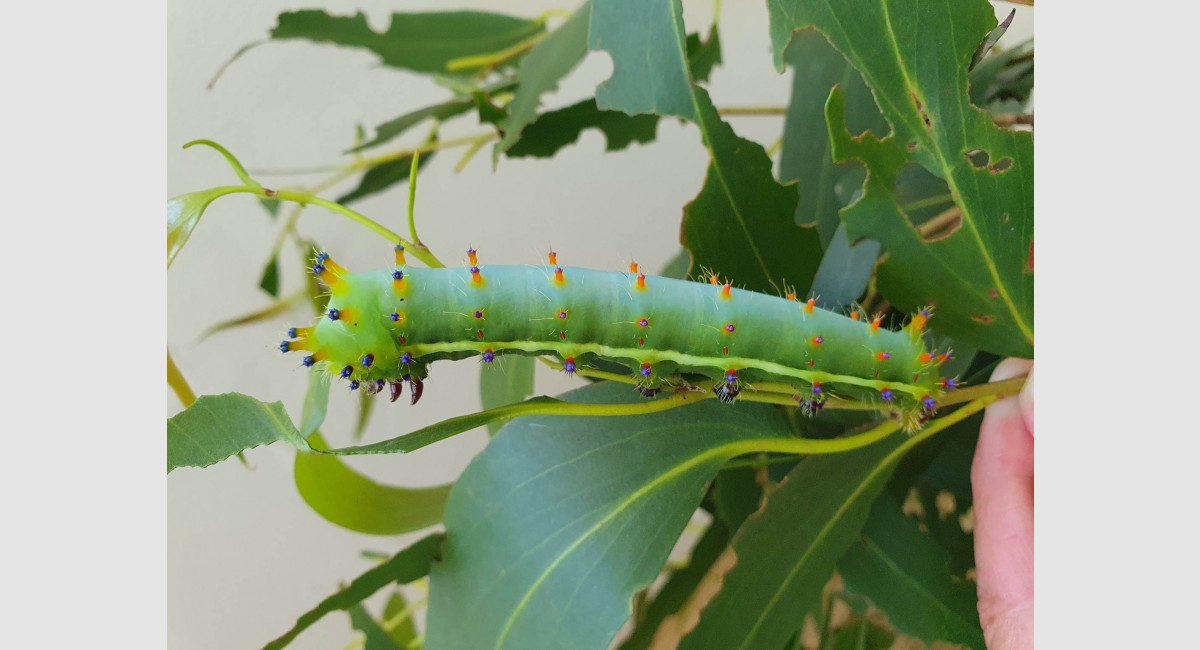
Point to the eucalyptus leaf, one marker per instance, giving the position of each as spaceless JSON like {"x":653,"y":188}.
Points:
{"x":374,"y":636}
{"x":355,"y":502}
{"x":184,"y":212}
{"x":403,"y":567}
{"x":977,"y":274}
{"x":422,"y":42}
{"x":384,"y":176}
{"x":555,"y":526}
{"x":216,"y":427}
{"x":406,"y":630}
{"x":506,"y":383}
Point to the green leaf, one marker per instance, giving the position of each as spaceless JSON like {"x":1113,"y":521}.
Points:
{"x":376,"y":638}
{"x":736,"y":495}
{"x":316,"y":402}
{"x":272,"y":310}
{"x":366,"y":404}
{"x":404,"y":567}
{"x":845,"y":270}
{"x":741,"y":225}
{"x":540,"y":71}
{"x":914,"y":57}
{"x":184,"y":212}
{"x":858,"y":633}
{"x":216,"y":427}
{"x":509,"y":383}
{"x":269,"y":281}
{"x":422,"y":42}
{"x":1003,"y":82}
{"x":907,"y":575}
{"x":381,"y":177}
{"x":403,"y":633}
{"x":355,"y":502}
{"x":679,"y":586}
{"x":806,"y":155}
{"x":556,"y":129}
{"x":555,"y":526}
{"x":272,"y":207}
{"x":396,"y":127}
{"x":786,"y":552}
{"x":677,"y":267}
{"x":704,"y":55}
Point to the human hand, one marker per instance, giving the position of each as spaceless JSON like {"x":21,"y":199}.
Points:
{"x":1002,"y":483}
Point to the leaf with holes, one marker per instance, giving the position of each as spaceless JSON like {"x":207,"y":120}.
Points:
{"x":741,"y":225}
{"x":550,"y":535}
{"x":978,"y":272}
{"x":422,"y":42}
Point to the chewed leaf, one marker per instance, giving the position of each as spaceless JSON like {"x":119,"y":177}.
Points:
{"x":423,"y":42}
{"x":216,"y":427}
{"x":554,"y":130}
{"x":540,"y":70}
{"x":976,"y":275}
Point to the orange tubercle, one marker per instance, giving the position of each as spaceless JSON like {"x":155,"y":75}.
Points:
{"x":641,"y":281}
{"x":917,"y":324}
{"x":727,"y":291}
{"x":792,"y":296}
{"x":853,"y":315}
{"x":400,"y":255}
{"x":472,"y":257}
{"x":713,"y":279}
{"x":875,"y":325}
{"x":553,"y":257}
{"x":633,"y":267}
{"x":333,"y":266}
{"x":810,"y":305}
{"x":925,"y":357}
{"x":559,"y":278}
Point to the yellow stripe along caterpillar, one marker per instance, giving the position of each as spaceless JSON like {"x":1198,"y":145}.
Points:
{"x":384,"y":327}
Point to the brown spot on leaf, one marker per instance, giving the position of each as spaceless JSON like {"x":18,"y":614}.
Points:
{"x":1004,"y":218}
{"x":1000,"y":167}
{"x":946,"y":504}
{"x":921,"y":110}
{"x":993,"y":293}
{"x":912,"y":146}
{"x":1029,"y":260}
{"x":984,"y":319}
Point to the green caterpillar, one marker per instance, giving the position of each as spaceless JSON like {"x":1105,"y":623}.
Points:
{"x":384,"y":327}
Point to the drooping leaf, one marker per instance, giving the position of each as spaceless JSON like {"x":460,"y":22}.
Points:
{"x":316,"y":402}
{"x":184,"y":212}
{"x":396,"y":127}
{"x":787,"y":552}
{"x":374,"y":636}
{"x":216,"y":427}
{"x":422,"y":42}
{"x":272,"y":310}
{"x":550,"y":535}
{"x":679,"y":586}
{"x":506,"y":383}
{"x":381,"y":177}
{"x":404,"y":567}
{"x":269,"y":281}
{"x":677,"y":267}
{"x":741,"y":225}
{"x":992,"y":38}
{"x":540,"y":71}
{"x":556,"y":129}
{"x":907,"y":575}
{"x":355,"y":502}
{"x":977,"y":275}
{"x":366,"y":404}
{"x":736,"y":495}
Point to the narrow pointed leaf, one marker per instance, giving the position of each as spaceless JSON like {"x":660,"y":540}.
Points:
{"x":272,"y":310}
{"x":269,"y":281}
{"x":550,"y":535}
{"x":184,"y":212}
{"x":406,"y":631}
{"x":540,"y":71}
{"x":354,"y":502}
{"x":422,"y":42}
{"x":384,"y":176}
{"x":403,"y":567}
{"x":915,"y":57}
{"x":557,"y":129}
{"x":216,"y":427}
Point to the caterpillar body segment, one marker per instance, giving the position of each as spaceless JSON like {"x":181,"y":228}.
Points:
{"x":388,"y":325}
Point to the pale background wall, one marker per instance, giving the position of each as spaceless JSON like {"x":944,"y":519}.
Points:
{"x":245,"y":554}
